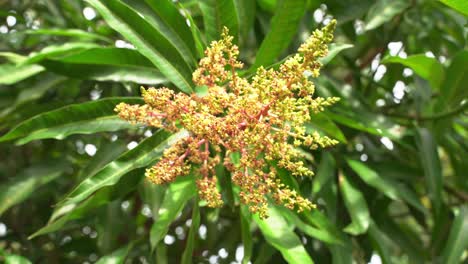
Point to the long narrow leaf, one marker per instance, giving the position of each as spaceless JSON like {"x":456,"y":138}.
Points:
{"x":107,"y":64}
{"x":284,"y":25}
{"x":86,"y":118}
{"x":280,"y":235}
{"x":188,"y":252}
{"x":357,"y":207}
{"x":177,"y":195}
{"x":149,"y":42}
{"x":23,"y":185}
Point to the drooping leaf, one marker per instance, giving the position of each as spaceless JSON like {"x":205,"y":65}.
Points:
{"x":333,"y":51}
{"x":116,"y":257}
{"x":105,"y":154}
{"x":167,"y":20}
{"x":67,"y":32}
{"x":187,"y":256}
{"x":284,"y":25}
{"x":146,"y":153}
{"x":426,"y":67}
{"x":325,"y":172}
{"x":280,"y":235}
{"x":387,"y":186}
{"x":430,"y":162}
{"x":321,"y":234}
{"x":103,"y":196}
{"x":57,"y":51}
{"x":177,"y":195}
{"x":47,"y":82}
{"x":459,"y":5}
{"x":454,"y":90}
{"x":323,"y":123}
{"x":383,"y":11}
{"x":148,"y":40}
{"x":236,"y":15}
{"x":380,"y":243}
{"x":16,"y":259}
{"x":107,"y":64}
{"x":357,"y":207}
{"x":457,"y":241}
{"x":85,"y":118}
{"x":245,"y":219}
{"x":218,"y":14}
{"x":23,"y":185}
{"x":11,"y":74}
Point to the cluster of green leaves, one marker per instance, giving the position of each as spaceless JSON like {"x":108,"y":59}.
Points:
{"x":72,"y":187}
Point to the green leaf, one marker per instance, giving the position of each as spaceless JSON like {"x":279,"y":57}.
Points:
{"x":196,"y":34}
{"x":454,"y":90}
{"x":167,"y":20}
{"x":146,"y":153}
{"x":319,"y":233}
{"x":431,"y":164}
{"x":459,"y":5}
{"x":325,"y":172}
{"x":33,"y":93}
{"x":280,"y":235}
{"x":333,"y":51}
{"x":284,"y":26}
{"x":356,"y":205}
{"x":329,"y":231}
{"x":187,"y":256}
{"x":428,"y":68}
{"x":103,"y":196}
{"x":11,"y":74}
{"x":85,"y":118}
{"x":245,"y":219}
{"x":383,"y":11}
{"x":116,"y":257}
{"x":236,"y":15}
{"x":107,"y":64}
{"x":114,"y":180}
{"x":380,"y":243}
{"x":16,"y":259}
{"x":106,"y":153}
{"x":57,"y":51}
{"x":387,"y":186}
{"x":457,"y":242}
{"x":148,"y":41}
{"x":323,"y":123}
{"x":177,"y":195}
{"x":265,"y":253}
{"x":67,"y":32}
{"x":218,"y":14}
{"x":23,"y":185}
{"x":409,"y":243}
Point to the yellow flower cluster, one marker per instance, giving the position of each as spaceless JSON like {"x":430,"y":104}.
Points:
{"x":259,"y":120}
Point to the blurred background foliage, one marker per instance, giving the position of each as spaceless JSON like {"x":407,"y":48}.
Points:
{"x":395,"y":189}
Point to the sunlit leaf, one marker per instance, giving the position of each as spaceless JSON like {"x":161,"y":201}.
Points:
{"x":357,"y":207}
{"x":177,"y":195}
{"x":187,"y":256}
{"x":459,"y":5}
{"x":426,"y":67}
{"x":280,"y":235}
{"x":383,"y":11}
{"x":457,"y":242}
{"x":116,"y":257}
